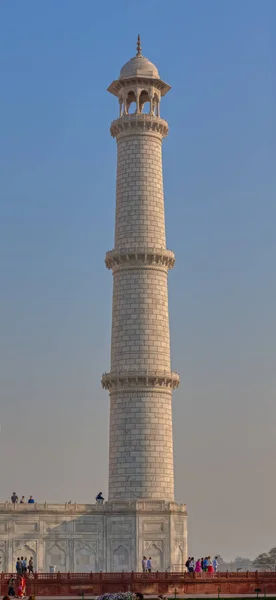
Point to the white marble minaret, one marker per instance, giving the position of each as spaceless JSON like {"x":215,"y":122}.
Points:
{"x":140,"y":381}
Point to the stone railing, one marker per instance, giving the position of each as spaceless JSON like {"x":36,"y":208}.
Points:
{"x":139,"y":123}
{"x":120,"y":506}
{"x":94,"y":584}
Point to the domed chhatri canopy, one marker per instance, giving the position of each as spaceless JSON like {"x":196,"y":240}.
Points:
{"x":139,"y":68}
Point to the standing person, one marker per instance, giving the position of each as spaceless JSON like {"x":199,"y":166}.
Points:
{"x":24,"y":565}
{"x":23,"y":583}
{"x":210,"y":565}
{"x":202,"y":564}
{"x":198,"y":566}
{"x":205,"y":564}
{"x":31,"y":500}
{"x":19,"y":591}
{"x":187,"y":563}
{"x":192,"y":565}
{"x":144,"y":564}
{"x":31,"y":565}
{"x":11,"y":590}
{"x":215,"y":564}
{"x":18,"y":566}
{"x":149,"y":565}
{"x":22,"y":501}
{"x":14,"y":498}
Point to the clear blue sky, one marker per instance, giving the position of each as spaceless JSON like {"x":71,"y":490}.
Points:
{"x":57,"y":199}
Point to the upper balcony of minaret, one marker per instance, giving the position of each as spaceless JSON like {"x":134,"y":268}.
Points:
{"x":139,"y":88}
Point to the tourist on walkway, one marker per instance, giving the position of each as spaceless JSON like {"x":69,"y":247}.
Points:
{"x":20,"y":592}
{"x":202,"y":564}
{"x":144,"y":564}
{"x":31,"y":500}
{"x":14,"y":498}
{"x":23,"y":583}
{"x":215,"y":564}
{"x":187,"y":563}
{"x":31,"y":565}
{"x":22,"y":501}
{"x":205,"y":564}
{"x":18,"y":566}
{"x":149,"y":565}
{"x":24,"y":565}
{"x":210,"y":565}
{"x":192,"y":565}
{"x":198,"y":566}
{"x":11,"y":590}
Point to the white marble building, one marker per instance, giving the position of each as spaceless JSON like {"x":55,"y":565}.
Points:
{"x":141,"y":516}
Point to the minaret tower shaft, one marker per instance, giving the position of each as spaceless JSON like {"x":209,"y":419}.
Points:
{"x":140,"y":381}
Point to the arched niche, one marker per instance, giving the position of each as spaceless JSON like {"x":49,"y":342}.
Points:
{"x":144,"y":102}
{"x":120,"y":559}
{"x":130,"y":103}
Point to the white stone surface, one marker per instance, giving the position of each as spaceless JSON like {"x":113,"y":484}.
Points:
{"x":84,"y":538}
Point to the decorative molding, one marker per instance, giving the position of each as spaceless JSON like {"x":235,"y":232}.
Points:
{"x":136,"y":379}
{"x":139,"y":257}
{"x":137,"y":391}
{"x":139,"y":124}
{"x":140,"y":81}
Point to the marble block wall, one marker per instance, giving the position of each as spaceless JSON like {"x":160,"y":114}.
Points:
{"x":83,"y":538}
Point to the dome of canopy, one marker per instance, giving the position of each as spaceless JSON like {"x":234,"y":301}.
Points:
{"x":139,"y":66}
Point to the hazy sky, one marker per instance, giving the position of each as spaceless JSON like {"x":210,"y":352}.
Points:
{"x":57,"y":199}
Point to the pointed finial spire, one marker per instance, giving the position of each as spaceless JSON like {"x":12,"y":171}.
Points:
{"x":139,"y":47}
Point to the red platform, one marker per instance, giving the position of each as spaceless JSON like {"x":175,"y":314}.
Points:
{"x":74,"y":584}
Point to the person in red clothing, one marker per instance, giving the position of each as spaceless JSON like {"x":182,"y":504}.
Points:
{"x":210,"y":565}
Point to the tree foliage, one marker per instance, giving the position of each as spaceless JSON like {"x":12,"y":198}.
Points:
{"x":266,"y":560}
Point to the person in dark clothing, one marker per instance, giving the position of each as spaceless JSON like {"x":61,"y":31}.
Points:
{"x":11,"y":590}
{"x":100,"y":498}
{"x":18,"y":566}
{"x":187,"y":563}
{"x":31,"y":565}
{"x":14,"y":498}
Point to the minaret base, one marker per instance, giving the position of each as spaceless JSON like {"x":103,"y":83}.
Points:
{"x":153,"y":529}
{"x":85,"y":538}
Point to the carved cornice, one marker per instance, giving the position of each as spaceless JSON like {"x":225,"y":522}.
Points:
{"x":116,"y":506}
{"x":140,"y":379}
{"x":138,"y":390}
{"x":135,"y":257}
{"x":139,"y":124}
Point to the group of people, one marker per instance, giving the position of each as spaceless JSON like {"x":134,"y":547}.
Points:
{"x":14,"y":499}
{"x":146,"y":564}
{"x":22,"y":567}
{"x":17,"y":588}
{"x":202,"y":565}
